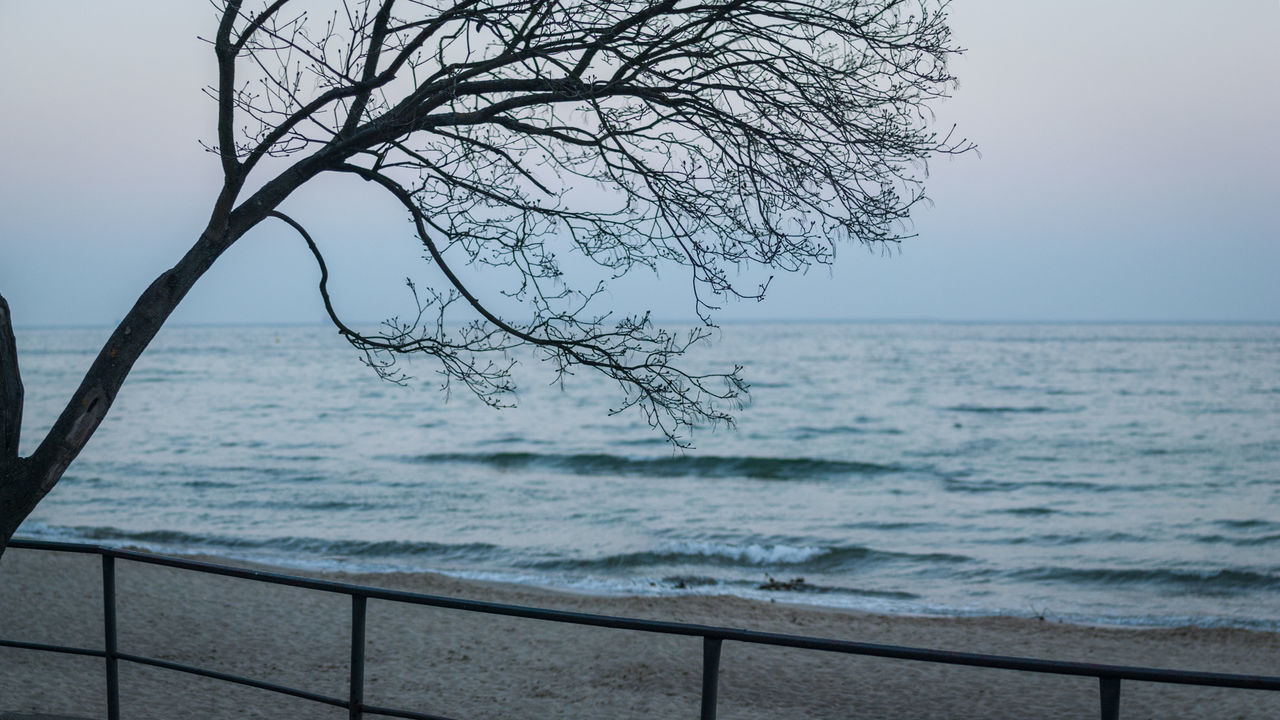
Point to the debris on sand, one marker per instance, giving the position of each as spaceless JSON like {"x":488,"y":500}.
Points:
{"x":774,"y":584}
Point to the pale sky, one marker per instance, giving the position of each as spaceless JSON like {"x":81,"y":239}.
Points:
{"x":1129,"y":171}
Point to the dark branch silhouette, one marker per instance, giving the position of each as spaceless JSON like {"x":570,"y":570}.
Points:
{"x":722,"y":141}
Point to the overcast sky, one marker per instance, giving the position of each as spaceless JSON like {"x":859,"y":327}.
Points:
{"x":1129,"y":170}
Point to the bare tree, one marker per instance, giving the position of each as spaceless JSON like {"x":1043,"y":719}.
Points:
{"x":709,"y":137}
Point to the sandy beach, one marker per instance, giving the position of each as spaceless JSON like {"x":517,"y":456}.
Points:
{"x":467,"y":665}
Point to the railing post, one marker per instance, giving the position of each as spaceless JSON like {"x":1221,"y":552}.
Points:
{"x":356,"y":699}
{"x":1110,"y":687}
{"x":710,"y":675}
{"x":109,"y":635}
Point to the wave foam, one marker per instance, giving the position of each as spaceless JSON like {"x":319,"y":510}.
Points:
{"x":753,"y":554}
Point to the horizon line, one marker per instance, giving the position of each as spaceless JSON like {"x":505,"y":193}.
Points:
{"x":693,"y":321}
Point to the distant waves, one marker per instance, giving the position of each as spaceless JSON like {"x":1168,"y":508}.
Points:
{"x":1107,"y":473}
{"x":684,"y":465}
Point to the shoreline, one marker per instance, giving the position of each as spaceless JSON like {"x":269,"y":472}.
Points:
{"x":468,"y":665}
{"x":804,"y":596}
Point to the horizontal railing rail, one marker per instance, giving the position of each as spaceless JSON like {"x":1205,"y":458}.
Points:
{"x":713,"y":637}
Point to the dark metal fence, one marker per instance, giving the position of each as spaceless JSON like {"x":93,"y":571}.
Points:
{"x":1109,"y":676}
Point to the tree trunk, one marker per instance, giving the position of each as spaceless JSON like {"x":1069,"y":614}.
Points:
{"x":14,"y":496}
{"x":12,"y":468}
{"x":25,"y":481}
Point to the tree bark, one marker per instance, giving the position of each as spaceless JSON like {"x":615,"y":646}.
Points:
{"x":11,"y":466}
{"x":14,"y":499}
{"x":10,"y":388}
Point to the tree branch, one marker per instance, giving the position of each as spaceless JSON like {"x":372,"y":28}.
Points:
{"x":226,"y":55}
{"x":630,"y":354}
{"x":487,"y":380}
{"x":255,"y":24}
{"x":376,"y":38}
{"x":324,"y":272}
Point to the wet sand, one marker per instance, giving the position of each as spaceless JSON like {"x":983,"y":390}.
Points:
{"x":468,"y":665}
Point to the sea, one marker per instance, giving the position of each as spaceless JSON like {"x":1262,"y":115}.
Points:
{"x":1119,"y":474}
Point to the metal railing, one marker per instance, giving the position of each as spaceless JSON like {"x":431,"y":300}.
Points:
{"x":1109,"y":676}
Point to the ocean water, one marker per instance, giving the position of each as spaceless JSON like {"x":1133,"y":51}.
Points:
{"x":1124,"y":474}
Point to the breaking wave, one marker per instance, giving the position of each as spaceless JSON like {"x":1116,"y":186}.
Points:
{"x":792,"y":558}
